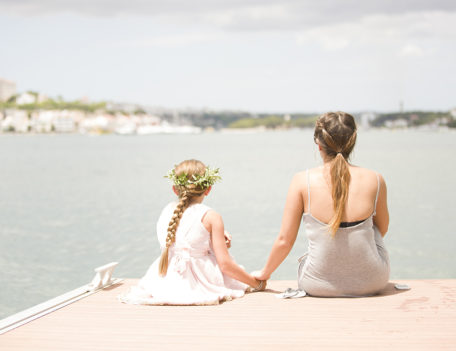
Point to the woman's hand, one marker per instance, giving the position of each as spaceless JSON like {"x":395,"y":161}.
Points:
{"x":260,"y":275}
{"x":261,"y":286}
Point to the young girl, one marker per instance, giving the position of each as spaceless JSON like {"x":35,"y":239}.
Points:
{"x":195,"y":267}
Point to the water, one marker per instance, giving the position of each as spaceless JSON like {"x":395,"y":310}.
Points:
{"x":70,"y":203}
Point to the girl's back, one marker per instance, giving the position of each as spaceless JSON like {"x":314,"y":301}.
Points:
{"x":193,"y":276}
{"x":191,"y":233}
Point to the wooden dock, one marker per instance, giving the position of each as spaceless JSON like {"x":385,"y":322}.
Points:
{"x":423,"y":318}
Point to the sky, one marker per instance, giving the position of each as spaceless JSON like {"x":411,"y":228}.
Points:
{"x":251,"y":55}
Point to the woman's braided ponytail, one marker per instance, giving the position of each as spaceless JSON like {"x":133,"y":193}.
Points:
{"x":335,"y":132}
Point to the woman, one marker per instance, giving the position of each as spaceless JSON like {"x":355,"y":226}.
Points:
{"x":345,"y":217}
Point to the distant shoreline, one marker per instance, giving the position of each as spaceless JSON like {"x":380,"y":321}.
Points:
{"x":236,"y":131}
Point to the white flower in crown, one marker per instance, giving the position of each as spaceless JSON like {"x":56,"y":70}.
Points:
{"x":209,"y":178}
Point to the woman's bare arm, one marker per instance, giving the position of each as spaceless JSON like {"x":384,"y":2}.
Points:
{"x":292,"y":214}
{"x":381,"y":218}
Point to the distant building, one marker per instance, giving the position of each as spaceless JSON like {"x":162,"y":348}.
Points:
{"x":7,"y":89}
{"x":42,"y":121}
{"x":97,"y":123}
{"x":15,"y":121}
{"x":26,"y":99}
{"x":398,"y":123}
{"x":366,"y":118}
{"x":64,"y":124}
{"x":453,"y":113}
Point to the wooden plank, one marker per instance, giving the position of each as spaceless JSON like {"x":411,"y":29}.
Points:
{"x":422,"y":318}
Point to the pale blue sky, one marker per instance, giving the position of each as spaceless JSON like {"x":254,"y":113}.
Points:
{"x":256,"y":55}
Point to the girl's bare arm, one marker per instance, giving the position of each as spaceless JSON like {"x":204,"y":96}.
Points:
{"x":214,"y":224}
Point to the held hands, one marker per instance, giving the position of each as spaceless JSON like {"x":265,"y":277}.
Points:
{"x":261,"y":281}
{"x":260,"y":275}
{"x":259,"y":284}
{"x":227,"y":239}
{"x":260,"y":287}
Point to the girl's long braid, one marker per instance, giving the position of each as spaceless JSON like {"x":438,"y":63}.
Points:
{"x":187,"y":192}
{"x":172,"y":228}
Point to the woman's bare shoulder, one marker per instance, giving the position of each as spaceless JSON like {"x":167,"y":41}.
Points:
{"x":300,"y":178}
{"x":366,"y":176}
{"x":300,"y":175}
{"x":310,"y":171}
{"x":366,"y":171}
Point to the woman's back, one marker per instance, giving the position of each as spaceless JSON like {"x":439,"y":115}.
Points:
{"x":353,"y":261}
{"x":361,"y":194}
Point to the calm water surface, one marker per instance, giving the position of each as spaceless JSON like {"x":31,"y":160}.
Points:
{"x":70,"y":203}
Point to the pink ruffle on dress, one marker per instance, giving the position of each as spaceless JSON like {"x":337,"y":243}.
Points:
{"x":193,"y":277}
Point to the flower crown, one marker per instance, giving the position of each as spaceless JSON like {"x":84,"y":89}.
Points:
{"x":210,"y":177}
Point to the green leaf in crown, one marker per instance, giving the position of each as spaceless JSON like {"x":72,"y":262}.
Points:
{"x":209,"y":178}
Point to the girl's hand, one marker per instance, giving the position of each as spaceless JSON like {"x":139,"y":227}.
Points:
{"x":227,"y":239}
{"x":260,"y":275}
{"x":259,"y":286}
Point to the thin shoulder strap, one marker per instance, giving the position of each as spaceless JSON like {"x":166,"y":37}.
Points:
{"x":308,"y":189}
{"x":376,"y":196}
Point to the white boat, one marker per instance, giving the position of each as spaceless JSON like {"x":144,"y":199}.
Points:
{"x":166,"y":128}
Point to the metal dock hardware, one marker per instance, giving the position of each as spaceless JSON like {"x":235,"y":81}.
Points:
{"x":103,"y":277}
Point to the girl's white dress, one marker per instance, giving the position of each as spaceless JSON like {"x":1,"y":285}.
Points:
{"x":193,"y":277}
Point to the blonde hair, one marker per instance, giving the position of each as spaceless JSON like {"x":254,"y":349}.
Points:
{"x":335,"y":132}
{"x":189,"y":168}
